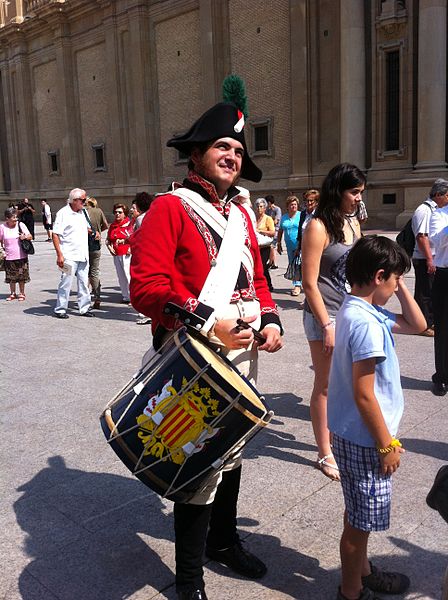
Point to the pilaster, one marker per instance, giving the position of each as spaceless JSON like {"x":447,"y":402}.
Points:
{"x":71,"y":150}
{"x":215,"y":48}
{"x":431,"y":117}
{"x":26,"y":155}
{"x":300,"y":94}
{"x":353,"y":83}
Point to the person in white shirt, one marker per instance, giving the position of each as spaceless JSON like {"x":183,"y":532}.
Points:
{"x":47,"y":220}
{"x":423,"y":257}
{"x":70,"y":240}
{"x":438,"y":235}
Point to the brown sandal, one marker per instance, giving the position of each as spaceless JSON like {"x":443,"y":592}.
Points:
{"x":11,"y":297}
{"x":21,"y":297}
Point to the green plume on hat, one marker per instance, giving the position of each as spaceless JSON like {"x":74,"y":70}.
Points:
{"x":234,"y":90}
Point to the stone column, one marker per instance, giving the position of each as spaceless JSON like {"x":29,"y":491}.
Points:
{"x":300,"y":95}
{"x":73,"y":174}
{"x":432,"y":38}
{"x":26,"y":154}
{"x":118,"y":141}
{"x":353,"y":83}
{"x":141,"y":83}
{"x":215,"y":48}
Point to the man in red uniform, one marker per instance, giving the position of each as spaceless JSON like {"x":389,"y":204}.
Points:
{"x":173,"y":253}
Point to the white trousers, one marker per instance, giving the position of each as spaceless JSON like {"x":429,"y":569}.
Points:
{"x":80,"y":270}
{"x":122,"y":267}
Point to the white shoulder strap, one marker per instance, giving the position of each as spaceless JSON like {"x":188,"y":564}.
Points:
{"x":220,"y":283}
{"x":213,"y":218}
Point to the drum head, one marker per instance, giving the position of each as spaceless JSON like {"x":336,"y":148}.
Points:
{"x":228,"y":372}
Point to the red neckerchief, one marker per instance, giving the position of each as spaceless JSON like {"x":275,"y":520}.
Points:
{"x":211,"y":191}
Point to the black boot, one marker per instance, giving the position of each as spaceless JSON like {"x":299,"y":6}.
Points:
{"x":193,"y":595}
{"x":190,"y":528}
{"x":223,"y":543}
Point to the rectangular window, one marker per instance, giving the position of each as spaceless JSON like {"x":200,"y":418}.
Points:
{"x":392,"y":100}
{"x":53,"y":162}
{"x":99,"y":157}
{"x":262,"y":136}
{"x":389,"y":198}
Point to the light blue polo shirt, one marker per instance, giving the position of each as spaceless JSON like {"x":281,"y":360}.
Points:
{"x":363,"y":331}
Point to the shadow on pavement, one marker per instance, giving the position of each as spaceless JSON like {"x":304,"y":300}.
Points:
{"x":289,"y":303}
{"x":278,"y":443}
{"x":410,"y":383}
{"x":427,"y":447}
{"x":84,"y":533}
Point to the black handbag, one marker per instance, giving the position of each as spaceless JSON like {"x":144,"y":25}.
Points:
{"x":294,"y":270}
{"x":27,"y":245}
{"x":94,"y":244}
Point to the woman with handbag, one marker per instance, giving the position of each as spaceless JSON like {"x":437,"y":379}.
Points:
{"x":265,"y":234}
{"x":118,"y":245}
{"x":326,"y":243}
{"x":16,"y":259}
{"x":289,"y":227}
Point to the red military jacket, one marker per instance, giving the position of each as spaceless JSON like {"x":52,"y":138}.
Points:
{"x":172,"y":253}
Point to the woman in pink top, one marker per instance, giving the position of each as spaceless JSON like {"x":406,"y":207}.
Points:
{"x":16,"y":260}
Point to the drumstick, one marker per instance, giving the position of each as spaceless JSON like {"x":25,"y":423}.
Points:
{"x":257,"y":335}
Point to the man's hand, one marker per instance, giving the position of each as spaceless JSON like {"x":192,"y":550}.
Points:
{"x":430,"y":267}
{"x":60,"y":261}
{"x":273,"y":341}
{"x":232,"y":336}
{"x":391,"y":461}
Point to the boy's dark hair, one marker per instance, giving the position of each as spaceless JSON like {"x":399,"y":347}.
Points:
{"x":269,"y":198}
{"x":143,"y":201}
{"x":371,"y":253}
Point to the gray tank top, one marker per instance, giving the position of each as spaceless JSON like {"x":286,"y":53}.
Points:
{"x":331,"y":281}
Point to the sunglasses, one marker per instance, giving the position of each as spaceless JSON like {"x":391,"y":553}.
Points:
{"x":118,"y":212}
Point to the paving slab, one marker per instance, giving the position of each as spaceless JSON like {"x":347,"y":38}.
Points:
{"x":76,"y":524}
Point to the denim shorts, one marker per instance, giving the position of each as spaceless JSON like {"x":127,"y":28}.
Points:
{"x":312,"y":328}
{"x":367,"y":492}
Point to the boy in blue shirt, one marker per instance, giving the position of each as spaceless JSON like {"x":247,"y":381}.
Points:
{"x":365,"y":405}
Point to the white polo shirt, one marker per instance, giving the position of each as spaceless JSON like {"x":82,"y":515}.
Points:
{"x":420,"y":224}
{"x":71,"y":227}
{"x":438,"y":234}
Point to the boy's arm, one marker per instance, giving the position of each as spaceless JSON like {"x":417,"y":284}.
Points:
{"x":411,"y":320}
{"x":363,"y":373}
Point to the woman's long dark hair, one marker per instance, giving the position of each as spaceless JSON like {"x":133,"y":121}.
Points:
{"x":341,"y":178}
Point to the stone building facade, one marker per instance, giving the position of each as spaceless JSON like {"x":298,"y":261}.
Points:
{"x":90,"y":90}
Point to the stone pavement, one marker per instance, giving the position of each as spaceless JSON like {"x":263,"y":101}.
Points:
{"x":77,"y":526}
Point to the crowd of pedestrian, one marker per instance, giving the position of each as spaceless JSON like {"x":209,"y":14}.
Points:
{"x":356,"y":402}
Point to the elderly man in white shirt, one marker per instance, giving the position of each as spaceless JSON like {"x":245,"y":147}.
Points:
{"x":70,"y":239}
{"x":438,"y":235}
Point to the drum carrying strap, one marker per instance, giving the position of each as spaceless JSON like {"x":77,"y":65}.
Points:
{"x":220,"y":283}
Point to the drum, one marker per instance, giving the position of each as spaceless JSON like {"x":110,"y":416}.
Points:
{"x":182,"y":417}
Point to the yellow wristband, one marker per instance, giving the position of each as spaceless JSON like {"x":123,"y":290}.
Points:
{"x":394,"y":443}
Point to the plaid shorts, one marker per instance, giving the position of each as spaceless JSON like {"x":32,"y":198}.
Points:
{"x":367,"y":492}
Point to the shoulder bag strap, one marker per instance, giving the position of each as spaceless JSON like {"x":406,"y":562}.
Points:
{"x":86,"y":214}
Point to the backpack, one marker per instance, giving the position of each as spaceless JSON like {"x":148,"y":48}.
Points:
{"x":406,"y":237}
{"x":438,"y":495}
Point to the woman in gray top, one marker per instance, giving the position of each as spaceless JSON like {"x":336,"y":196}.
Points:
{"x":325,"y":245}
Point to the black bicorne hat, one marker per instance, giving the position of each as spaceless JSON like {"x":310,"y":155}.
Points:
{"x":222,"y":120}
